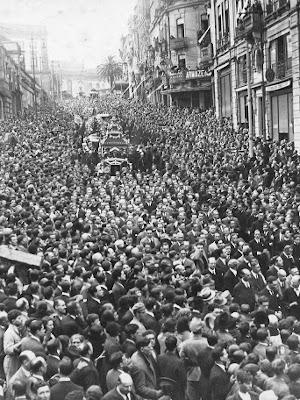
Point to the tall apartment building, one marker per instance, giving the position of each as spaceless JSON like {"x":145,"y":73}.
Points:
{"x":256,"y":53}
{"x":177,"y":66}
{"x":32,"y":40}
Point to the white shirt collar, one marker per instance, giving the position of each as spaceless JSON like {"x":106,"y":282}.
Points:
{"x":247,"y":284}
{"x":35,"y":338}
{"x":244,"y":396}
{"x":221,"y":365}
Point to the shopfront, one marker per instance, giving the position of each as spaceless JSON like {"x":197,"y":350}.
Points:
{"x":225,"y":93}
{"x":281,"y":100}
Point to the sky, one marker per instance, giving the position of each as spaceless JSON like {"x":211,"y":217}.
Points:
{"x":79,"y":31}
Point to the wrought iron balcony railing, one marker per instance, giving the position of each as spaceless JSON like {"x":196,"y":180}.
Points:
{"x":276,"y":5}
{"x":223,"y":42}
{"x":187,"y":75}
{"x":283,"y":68}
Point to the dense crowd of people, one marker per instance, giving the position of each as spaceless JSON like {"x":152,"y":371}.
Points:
{"x":178,"y":279}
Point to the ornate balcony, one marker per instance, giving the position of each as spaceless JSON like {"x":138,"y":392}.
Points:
{"x":184,"y":76}
{"x":282,"y":69}
{"x":223,"y":42}
{"x":252,"y":23}
{"x":275,"y":8}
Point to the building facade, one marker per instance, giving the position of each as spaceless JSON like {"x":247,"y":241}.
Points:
{"x":19,"y":91}
{"x":33,"y":43}
{"x":256,"y":65}
{"x":74,"y":80}
{"x":178,"y":65}
{"x":164,"y":61}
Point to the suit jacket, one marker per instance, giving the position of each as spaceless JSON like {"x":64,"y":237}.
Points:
{"x":206,"y":363}
{"x":272,"y":271}
{"x":172,"y":367}
{"x":258,"y":283}
{"x":70,"y":326}
{"x":10,"y":303}
{"x":57,"y":331}
{"x":257,"y":247}
{"x":148,"y":367}
{"x":118,"y":291}
{"x":150,"y":322}
{"x":52,"y":366}
{"x":281,"y":288}
{"x":219,"y":383}
{"x":221,"y":265}
{"x":230,"y":280}
{"x":61,"y":389}
{"x":274,"y":298}
{"x":86,"y":376}
{"x":193,"y":237}
{"x":190,"y":353}
{"x":244,"y":295}
{"x":30,"y":343}
{"x":217,"y":278}
{"x":21,"y":375}
{"x":114,"y":395}
{"x":129,"y":347}
{"x":288,"y":262}
{"x":91,"y":306}
{"x":290,"y":297}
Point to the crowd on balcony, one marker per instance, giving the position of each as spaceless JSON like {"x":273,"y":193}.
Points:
{"x":178,"y":279}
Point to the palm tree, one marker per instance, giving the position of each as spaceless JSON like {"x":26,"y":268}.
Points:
{"x":110,"y":70}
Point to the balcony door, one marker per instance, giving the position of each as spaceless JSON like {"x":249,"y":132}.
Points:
{"x":225,"y":93}
{"x":180,"y":28}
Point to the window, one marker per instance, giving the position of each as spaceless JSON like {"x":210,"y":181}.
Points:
{"x":242,"y":70}
{"x":243,"y":109}
{"x":226,"y":17}
{"x":279,"y":49}
{"x":223,"y":22}
{"x":220,"y":33}
{"x":280,"y":52}
{"x":282,"y":116}
{"x":225,"y":93}
{"x":181,"y":61}
{"x":204,"y":22}
{"x":180,"y":28}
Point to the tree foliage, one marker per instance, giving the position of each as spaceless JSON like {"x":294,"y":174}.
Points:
{"x":110,"y":71}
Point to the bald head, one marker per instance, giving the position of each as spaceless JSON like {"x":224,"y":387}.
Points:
{"x":281,"y":274}
{"x":125,"y":384}
{"x":295,"y":281}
